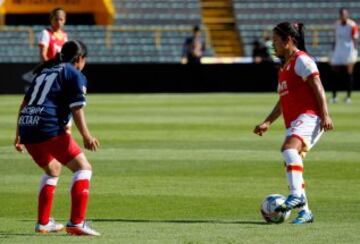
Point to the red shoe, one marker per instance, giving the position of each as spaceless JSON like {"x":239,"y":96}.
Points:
{"x":81,"y":229}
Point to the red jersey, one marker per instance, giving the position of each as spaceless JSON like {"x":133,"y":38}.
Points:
{"x":296,"y":95}
{"x":53,"y":42}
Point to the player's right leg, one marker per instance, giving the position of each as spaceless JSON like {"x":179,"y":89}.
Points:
{"x":79,"y":196}
{"x":294,"y":171}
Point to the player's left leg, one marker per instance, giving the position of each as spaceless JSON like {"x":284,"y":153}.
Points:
{"x":349,"y":82}
{"x":74,"y":159}
{"x":47,"y":188}
{"x":41,"y":154}
{"x":301,"y":136}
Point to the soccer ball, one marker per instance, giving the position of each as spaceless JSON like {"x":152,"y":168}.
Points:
{"x":268,"y":209}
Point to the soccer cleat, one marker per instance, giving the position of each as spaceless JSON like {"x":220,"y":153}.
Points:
{"x":333,"y":100}
{"x":50,"y":227}
{"x":347,"y":100}
{"x":291,"y":202}
{"x":304,"y":217}
{"x":81,"y":229}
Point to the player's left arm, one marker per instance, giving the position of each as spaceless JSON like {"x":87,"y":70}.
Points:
{"x":17,"y":144}
{"x":318,"y":89}
{"x":355,"y":34}
{"x":306,"y":68}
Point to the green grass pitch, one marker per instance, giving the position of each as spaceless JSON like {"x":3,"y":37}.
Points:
{"x":188,"y":169}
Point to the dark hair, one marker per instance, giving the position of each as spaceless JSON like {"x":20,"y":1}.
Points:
{"x":295,"y":31}
{"x":55,"y":11}
{"x":196,"y":28}
{"x":342,"y":9}
{"x":70,"y":52}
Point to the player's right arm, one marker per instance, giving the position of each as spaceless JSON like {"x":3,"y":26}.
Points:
{"x":90,"y":142}
{"x":43,"y":53}
{"x":43,"y":42}
{"x":264,"y":126}
{"x":76,"y":90}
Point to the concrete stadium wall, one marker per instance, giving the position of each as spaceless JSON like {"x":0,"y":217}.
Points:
{"x":143,"y":78}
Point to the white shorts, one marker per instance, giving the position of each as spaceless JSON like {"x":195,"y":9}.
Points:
{"x":307,"y":128}
{"x":344,"y":56}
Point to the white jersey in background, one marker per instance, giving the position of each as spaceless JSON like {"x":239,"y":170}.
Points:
{"x":345,"y":51}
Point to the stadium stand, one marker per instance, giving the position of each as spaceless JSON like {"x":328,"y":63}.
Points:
{"x":144,"y":31}
{"x":256,"y":18}
{"x":158,"y":12}
{"x":154,"y":30}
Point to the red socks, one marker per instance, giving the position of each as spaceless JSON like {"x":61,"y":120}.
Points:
{"x":80,"y":195}
{"x":46,"y":196}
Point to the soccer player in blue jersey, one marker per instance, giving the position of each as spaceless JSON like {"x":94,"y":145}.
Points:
{"x":57,"y":93}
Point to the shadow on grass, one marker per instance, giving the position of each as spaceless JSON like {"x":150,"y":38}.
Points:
{"x":177,"y":221}
{"x":246,"y":222}
{"x":3,"y":235}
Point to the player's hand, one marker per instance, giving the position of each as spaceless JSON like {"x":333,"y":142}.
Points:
{"x":327,"y":124}
{"x":261,"y":128}
{"x":18,"y":146}
{"x":91,"y":143}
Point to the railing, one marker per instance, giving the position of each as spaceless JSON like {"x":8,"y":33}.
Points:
{"x":156,"y":30}
{"x":109,"y":30}
{"x":28,"y":30}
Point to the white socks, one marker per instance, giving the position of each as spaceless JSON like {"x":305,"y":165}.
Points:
{"x":294,"y":171}
{"x":48,"y":180}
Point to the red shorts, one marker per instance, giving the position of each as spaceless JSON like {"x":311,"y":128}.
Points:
{"x":62,"y":148}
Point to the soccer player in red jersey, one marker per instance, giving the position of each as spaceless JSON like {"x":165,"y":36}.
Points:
{"x":58,"y":91}
{"x":53,"y":38}
{"x":50,"y":41}
{"x":303,"y":105}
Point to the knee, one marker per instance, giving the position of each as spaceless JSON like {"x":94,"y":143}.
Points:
{"x":80,"y":162}
{"x":286,"y":147}
{"x":86,"y":166}
{"x":82,"y":166}
{"x":54,"y":170}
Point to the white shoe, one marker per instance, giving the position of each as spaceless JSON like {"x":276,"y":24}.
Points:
{"x":347,"y":100}
{"x":333,"y":100}
{"x":81,"y":229}
{"x":52,"y":226}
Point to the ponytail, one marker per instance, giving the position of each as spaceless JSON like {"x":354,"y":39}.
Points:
{"x":48,"y":64}
{"x":300,"y":37}
{"x":295,"y":31}
{"x":70,"y":53}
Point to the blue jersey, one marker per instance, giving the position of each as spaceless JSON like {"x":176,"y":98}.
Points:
{"x":49,"y":101}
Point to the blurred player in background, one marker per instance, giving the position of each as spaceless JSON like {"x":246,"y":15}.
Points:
{"x":57,"y":92}
{"x":345,"y":53}
{"x":193,"y":48}
{"x":260,"y":52}
{"x":52,"y":39}
{"x":303,"y":105}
